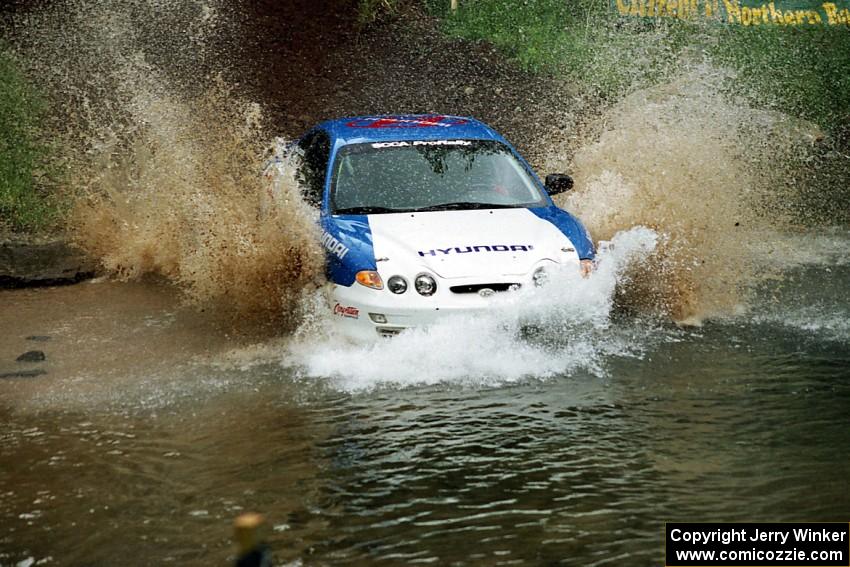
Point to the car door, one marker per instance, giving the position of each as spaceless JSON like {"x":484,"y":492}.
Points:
{"x":346,"y":238}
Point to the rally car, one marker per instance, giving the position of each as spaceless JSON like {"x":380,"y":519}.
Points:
{"x":426,"y":215}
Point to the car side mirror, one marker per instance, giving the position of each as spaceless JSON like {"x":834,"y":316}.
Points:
{"x":558,"y":183}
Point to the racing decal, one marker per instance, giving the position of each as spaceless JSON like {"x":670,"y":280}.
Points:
{"x":333,"y":245}
{"x":346,"y":311}
{"x":405,"y":122}
{"x":414,"y":143}
{"x":480,"y":248}
{"x":348,"y":241}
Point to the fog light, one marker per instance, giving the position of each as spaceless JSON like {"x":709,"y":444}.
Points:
{"x":397,"y":284}
{"x":425,"y":285}
{"x":486,"y":292}
{"x":370,"y":278}
{"x":540,"y":277}
{"x":378,"y":318}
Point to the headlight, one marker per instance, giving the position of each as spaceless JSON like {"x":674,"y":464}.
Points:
{"x":425,"y":285}
{"x":540,"y":277}
{"x":397,"y":284}
{"x":370,"y":278}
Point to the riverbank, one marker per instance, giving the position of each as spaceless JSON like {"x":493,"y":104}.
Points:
{"x":29,"y":261}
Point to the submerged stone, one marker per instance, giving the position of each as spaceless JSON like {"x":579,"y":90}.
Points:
{"x":31,"y":356}
{"x":32,"y":373}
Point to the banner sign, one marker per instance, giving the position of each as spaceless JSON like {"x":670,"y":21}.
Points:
{"x":742,"y":12}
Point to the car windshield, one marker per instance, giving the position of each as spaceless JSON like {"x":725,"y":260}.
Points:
{"x":430,"y":175}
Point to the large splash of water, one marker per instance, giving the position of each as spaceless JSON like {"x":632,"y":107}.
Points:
{"x":707,"y":171}
{"x":184,"y":203}
{"x":165,"y":154}
{"x":562,"y":328}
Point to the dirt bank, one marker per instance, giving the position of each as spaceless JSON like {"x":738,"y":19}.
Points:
{"x":309,"y":60}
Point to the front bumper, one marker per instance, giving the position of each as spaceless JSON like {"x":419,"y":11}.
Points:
{"x":363,"y":313}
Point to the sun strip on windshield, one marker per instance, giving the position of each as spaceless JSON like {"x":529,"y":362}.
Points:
{"x":405,"y":144}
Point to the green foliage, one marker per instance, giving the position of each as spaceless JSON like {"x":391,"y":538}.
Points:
{"x":538,"y":33}
{"x":801,"y":70}
{"x":370,"y":10}
{"x":24,"y":205}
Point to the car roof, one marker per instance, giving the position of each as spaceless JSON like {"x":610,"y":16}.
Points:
{"x":377,"y":128}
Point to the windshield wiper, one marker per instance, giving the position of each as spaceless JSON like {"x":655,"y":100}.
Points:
{"x":366,"y":211}
{"x":464,"y":206}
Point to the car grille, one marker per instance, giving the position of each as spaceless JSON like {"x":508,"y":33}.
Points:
{"x":475,"y":288}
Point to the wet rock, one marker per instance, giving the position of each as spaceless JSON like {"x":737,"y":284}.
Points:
{"x":31,"y":356}
{"x":25,"y":263}
{"x":31,"y":373}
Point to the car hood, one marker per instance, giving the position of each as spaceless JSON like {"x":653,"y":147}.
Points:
{"x":458,"y":244}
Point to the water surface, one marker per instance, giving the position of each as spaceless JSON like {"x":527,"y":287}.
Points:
{"x":154,"y":427}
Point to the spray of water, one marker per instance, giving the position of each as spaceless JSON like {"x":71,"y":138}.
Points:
{"x":165,"y":155}
{"x":707,"y":172}
{"x":184,"y":203}
{"x":562,"y":328}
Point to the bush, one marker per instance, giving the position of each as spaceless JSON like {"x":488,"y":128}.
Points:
{"x":24,"y":204}
{"x":369,"y":11}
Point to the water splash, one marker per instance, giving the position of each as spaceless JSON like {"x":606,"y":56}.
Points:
{"x":184,"y":203}
{"x":562,"y":328}
{"x":165,"y":155}
{"x":708,"y":172}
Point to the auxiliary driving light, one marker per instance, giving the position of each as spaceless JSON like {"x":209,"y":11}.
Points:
{"x":397,"y":284}
{"x":425,"y":285}
{"x":379,"y":318}
{"x":370,"y":278}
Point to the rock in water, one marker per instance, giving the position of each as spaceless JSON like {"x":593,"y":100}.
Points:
{"x":23,"y":373}
{"x":31,"y":356}
{"x":25,"y":263}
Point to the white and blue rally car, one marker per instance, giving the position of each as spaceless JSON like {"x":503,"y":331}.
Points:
{"x":424,"y":215}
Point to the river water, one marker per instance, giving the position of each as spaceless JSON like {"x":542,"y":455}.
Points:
{"x":155,"y":425}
